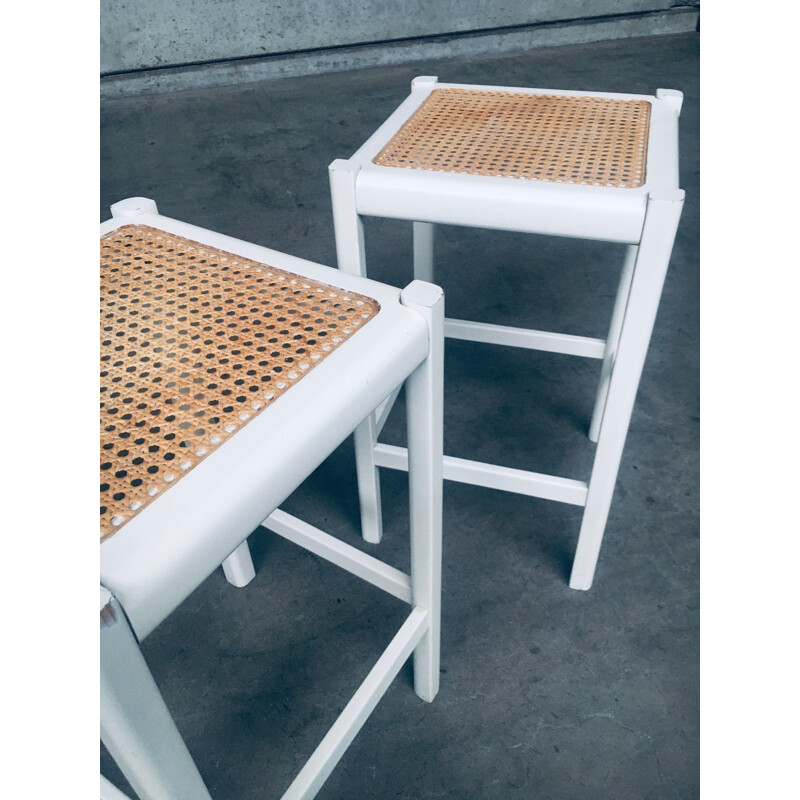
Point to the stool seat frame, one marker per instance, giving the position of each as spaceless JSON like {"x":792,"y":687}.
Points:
{"x":152,"y":563}
{"x":645,"y":218}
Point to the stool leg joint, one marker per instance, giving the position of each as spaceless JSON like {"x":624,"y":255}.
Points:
{"x":672,"y":97}
{"x":133,"y":207}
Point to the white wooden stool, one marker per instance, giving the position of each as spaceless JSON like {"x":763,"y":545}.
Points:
{"x":588,"y":165}
{"x":229,"y":373}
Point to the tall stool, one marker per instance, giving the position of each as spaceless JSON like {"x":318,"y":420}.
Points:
{"x":229,"y":372}
{"x":588,"y":165}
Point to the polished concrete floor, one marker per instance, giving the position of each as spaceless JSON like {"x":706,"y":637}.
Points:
{"x":546,"y":692}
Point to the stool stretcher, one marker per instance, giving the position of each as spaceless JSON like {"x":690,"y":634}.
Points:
{"x":364,"y":566}
{"x":491,"y":476}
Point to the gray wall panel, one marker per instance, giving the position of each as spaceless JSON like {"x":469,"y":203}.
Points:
{"x":144,"y":34}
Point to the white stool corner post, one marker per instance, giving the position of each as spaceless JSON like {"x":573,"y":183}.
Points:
{"x":135,"y":724}
{"x":424,"y":82}
{"x":365,"y":437}
{"x":672,"y":97}
{"x":652,"y":259}
{"x":425,"y":392}
{"x":612,"y":340}
{"x":423,"y":251}
{"x":133,"y":207}
{"x":349,"y":231}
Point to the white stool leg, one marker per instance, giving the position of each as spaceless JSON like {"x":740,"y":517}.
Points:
{"x":423,"y":251}
{"x":347,"y":226}
{"x":135,"y":724}
{"x":132,"y":207}
{"x":655,"y":248}
{"x":424,"y":397}
{"x":612,"y":341}
{"x":349,"y":232}
{"x":369,"y":485}
{"x":238,"y":566}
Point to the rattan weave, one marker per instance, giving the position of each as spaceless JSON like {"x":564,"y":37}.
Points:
{"x":196,"y":342}
{"x":580,"y":140}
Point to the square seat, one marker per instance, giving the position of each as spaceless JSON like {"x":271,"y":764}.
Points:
{"x":563,"y":163}
{"x":592,"y":141}
{"x":592,"y":165}
{"x":196,"y":343}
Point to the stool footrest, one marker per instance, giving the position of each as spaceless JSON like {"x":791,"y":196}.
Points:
{"x":524,"y":337}
{"x":347,"y":557}
{"x":338,"y":739}
{"x":492,"y":476}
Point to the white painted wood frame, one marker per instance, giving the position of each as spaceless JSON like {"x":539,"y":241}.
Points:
{"x":211,"y":511}
{"x":644,"y":218}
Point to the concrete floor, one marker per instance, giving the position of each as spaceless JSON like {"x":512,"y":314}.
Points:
{"x":546,"y":692}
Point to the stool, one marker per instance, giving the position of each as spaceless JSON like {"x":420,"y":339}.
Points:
{"x":588,"y":165}
{"x":229,"y":372}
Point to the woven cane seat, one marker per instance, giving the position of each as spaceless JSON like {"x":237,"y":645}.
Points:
{"x":195,"y":343}
{"x":577,"y":140}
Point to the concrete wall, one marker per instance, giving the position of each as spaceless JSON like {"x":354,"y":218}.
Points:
{"x":147,"y":34}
